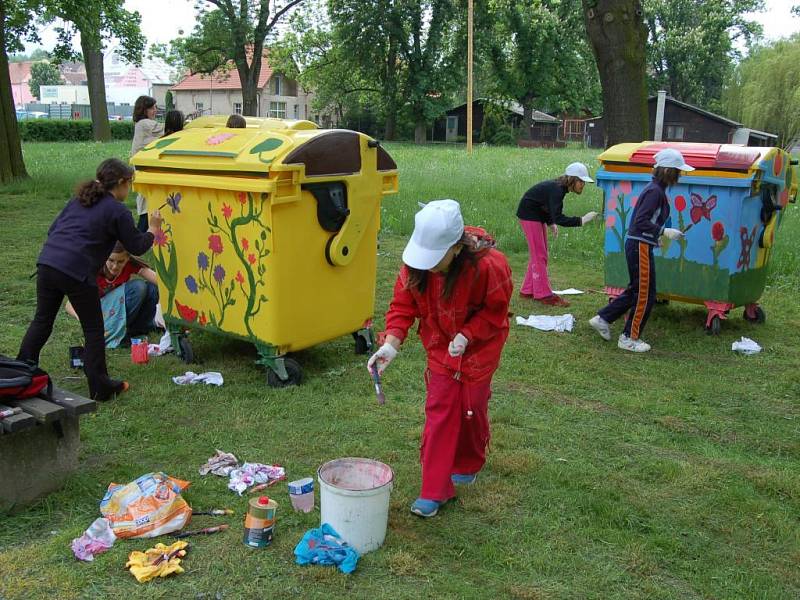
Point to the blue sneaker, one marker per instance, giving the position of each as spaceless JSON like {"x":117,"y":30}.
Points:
{"x":463,"y":479}
{"x":425,"y":508}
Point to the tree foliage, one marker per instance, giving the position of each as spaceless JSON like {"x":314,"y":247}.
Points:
{"x":43,"y":73}
{"x":765,"y":90}
{"x":230,"y":31}
{"x":692,"y":45}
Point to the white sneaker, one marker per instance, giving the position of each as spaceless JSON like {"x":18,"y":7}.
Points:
{"x":601,"y":326}
{"x":626,"y":343}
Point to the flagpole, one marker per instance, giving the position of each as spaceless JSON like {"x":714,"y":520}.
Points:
{"x":469,"y":76}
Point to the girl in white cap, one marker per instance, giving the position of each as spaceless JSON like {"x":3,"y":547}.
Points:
{"x":459,"y":287}
{"x":647,"y":226}
{"x":541,"y":207}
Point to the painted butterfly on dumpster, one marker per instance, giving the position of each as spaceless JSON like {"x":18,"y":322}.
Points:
{"x":702,"y":208}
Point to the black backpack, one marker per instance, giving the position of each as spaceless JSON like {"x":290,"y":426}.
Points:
{"x":21,"y":379}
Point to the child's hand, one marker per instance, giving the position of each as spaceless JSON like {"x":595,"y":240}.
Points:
{"x":156,"y":219}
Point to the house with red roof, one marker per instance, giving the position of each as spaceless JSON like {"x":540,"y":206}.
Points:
{"x":220,"y":93}
{"x":20,"y":73}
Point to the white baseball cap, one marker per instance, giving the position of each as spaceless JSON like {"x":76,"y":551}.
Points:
{"x":578,"y":170}
{"x":437,"y":228}
{"x":669,"y":157}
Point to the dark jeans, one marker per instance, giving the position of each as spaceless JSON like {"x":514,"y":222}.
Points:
{"x":640,"y":295}
{"x":144,"y":223}
{"x":51,"y":287}
{"x":141,"y":299}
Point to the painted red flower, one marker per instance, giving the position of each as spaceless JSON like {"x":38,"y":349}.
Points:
{"x":612,"y":203}
{"x":241,"y":197}
{"x":251,"y":258}
{"x":680,"y":203}
{"x":611,"y":220}
{"x":777,"y":166}
{"x":203,"y":320}
{"x":634,"y":200}
{"x":239,"y":277}
{"x":160,"y":238}
{"x":215,"y":244}
{"x":245,"y":244}
{"x":625,"y":187}
{"x":227,"y":211}
{"x":717,"y":231}
{"x":186,"y":313}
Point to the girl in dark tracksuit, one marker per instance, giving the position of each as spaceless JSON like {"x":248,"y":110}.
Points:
{"x":647,"y":226}
{"x":78,"y":243}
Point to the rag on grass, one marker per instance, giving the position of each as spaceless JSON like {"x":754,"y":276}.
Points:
{"x":323,"y":546}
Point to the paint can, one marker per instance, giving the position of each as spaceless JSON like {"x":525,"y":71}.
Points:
{"x":259,"y":522}
{"x":139,"y":354}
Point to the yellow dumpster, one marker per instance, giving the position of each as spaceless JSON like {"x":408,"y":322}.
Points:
{"x":269,"y":235}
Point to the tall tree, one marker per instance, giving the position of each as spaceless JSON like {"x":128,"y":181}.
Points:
{"x":693,"y":45}
{"x":618,"y":36}
{"x":16,"y":23}
{"x":235,"y":30}
{"x":539,"y":56}
{"x":43,"y":73}
{"x":96,"y":22}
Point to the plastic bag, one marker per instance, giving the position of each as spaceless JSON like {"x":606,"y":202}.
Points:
{"x":150,"y":506}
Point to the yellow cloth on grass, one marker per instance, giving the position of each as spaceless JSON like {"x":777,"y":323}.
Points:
{"x":141,"y":563}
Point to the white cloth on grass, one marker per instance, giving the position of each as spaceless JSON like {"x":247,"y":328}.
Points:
{"x":567,"y":292}
{"x":746,"y":346}
{"x":557,"y":323}
{"x":209,"y":378}
{"x":162,"y":347}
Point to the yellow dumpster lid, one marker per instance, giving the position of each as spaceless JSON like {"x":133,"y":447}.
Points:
{"x":215,"y":121}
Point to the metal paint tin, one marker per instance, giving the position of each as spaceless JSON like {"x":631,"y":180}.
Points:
{"x":259,"y":522}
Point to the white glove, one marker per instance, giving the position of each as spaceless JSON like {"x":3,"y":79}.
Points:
{"x":673,"y":234}
{"x":458,"y":345}
{"x":554,"y":230}
{"x":383,"y":357}
{"x":589,"y":216}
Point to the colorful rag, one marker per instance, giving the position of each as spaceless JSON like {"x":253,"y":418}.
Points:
{"x":323,"y":546}
{"x":115,"y":319}
{"x":253,"y":473}
{"x":98,"y":538}
{"x":156,"y":562}
{"x":222,"y":463}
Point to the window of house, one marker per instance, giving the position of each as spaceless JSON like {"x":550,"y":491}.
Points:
{"x":276,"y":86}
{"x":306,"y":111}
{"x":675,"y":132}
{"x":198,"y":106}
{"x":277,"y":110}
{"x":296,"y":111}
{"x":237,"y":108}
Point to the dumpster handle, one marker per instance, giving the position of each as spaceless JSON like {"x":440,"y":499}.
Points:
{"x":794,"y":161}
{"x":376,"y":143}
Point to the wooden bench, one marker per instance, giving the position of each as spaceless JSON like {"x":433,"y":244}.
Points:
{"x":39,"y":445}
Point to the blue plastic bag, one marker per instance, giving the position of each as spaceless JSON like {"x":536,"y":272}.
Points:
{"x":323,"y":546}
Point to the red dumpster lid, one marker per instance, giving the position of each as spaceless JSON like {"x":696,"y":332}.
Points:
{"x":701,"y":156}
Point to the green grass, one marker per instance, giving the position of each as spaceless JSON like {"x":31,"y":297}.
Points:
{"x":670,"y":475}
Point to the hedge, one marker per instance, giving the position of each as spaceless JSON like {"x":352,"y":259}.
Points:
{"x":65,"y":130}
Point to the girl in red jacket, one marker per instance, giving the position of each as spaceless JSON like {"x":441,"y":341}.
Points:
{"x":459,"y":287}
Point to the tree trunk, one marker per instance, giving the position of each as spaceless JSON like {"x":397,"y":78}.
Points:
{"x":619,"y":38}
{"x":527,"y":119}
{"x":420,"y":132}
{"x":96,"y":81}
{"x":249,"y":91}
{"x":11,"y":164}
{"x":390,"y":93}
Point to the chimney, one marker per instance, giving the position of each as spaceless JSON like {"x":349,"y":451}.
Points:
{"x":659,"y":132}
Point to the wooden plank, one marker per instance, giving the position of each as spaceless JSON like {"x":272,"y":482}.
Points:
{"x":44,"y":411}
{"x":73,"y":403}
{"x":16,"y":422}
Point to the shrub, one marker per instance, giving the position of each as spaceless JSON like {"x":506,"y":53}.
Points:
{"x":505,"y":136}
{"x":64,"y":130}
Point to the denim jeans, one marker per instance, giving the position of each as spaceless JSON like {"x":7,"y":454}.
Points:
{"x":141,"y":299}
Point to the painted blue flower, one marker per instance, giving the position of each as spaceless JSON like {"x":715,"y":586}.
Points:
{"x":202,"y":261}
{"x":219,"y":273}
{"x":191,"y":284}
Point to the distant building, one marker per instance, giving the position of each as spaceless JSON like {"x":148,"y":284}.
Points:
{"x":64,"y":94}
{"x":20,"y":73}
{"x":687,"y":123}
{"x":125,"y":82}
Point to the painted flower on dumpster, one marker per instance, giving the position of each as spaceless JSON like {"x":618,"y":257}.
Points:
{"x":215,"y":244}
{"x":717,"y":231}
{"x":202,"y":261}
{"x":680,"y":203}
{"x":241,"y":197}
{"x":203,"y":319}
{"x":217,"y":139}
{"x":611,"y":220}
{"x":160,"y":238}
{"x":612,"y":203}
{"x":625,"y":187}
{"x":634,"y":201}
{"x":245,"y":244}
{"x":191,"y":284}
{"x":219,"y":274}
{"x":251,"y":258}
{"x":239,"y":277}
{"x":227,"y":211}
{"x":186,"y":313}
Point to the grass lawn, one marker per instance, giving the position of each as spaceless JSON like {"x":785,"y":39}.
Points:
{"x":674,"y":474}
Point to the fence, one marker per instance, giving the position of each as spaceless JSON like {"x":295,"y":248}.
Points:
{"x":78,"y":111}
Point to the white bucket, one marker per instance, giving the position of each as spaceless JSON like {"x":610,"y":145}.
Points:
{"x":354,"y":500}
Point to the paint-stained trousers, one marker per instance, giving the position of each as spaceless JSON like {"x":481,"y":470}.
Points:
{"x":640,"y":295}
{"x":452,"y":441}
{"x":536,"y":282}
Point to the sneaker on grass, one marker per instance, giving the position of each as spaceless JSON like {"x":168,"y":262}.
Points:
{"x":631,"y":345}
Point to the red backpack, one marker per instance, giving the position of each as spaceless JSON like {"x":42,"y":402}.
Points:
{"x":21,"y":379}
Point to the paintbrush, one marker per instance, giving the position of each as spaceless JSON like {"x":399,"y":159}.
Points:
{"x":205,"y":531}
{"x":215,"y":512}
{"x":168,"y":557}
{"x":263,"y":486}
{"x":376,"y":378}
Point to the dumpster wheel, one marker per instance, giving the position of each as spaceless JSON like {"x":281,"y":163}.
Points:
{"x":715,"y":326}
{"x":753,"y":313}
{"x":185,"y":351}
{"x":294,"y":373}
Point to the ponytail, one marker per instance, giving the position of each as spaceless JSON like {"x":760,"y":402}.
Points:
{"x":109,"y":173}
